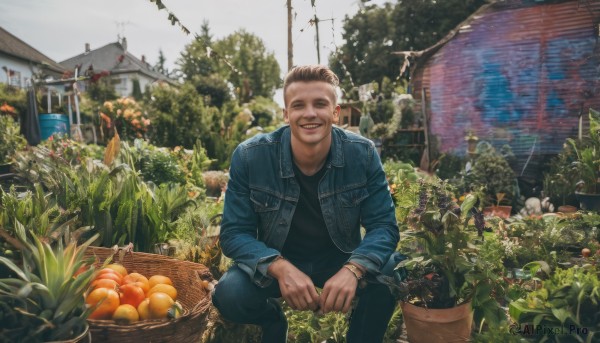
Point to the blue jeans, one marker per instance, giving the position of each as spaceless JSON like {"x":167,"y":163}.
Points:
{"x":241,"y":301}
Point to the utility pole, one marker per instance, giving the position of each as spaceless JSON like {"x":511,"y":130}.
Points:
{"x":289,"y":32}
{"x":316,"y":21}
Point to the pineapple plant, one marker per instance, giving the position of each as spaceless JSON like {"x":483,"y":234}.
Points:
{"x":44,"y":298}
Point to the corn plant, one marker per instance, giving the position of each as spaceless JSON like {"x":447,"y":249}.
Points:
{"x":44,"y":300}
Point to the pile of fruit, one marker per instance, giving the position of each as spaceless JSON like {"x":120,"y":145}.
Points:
{"x":129,"y":297}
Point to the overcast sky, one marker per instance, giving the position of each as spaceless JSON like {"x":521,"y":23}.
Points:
{"x":60,"y":28}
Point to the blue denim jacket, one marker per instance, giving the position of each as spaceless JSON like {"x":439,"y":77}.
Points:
{"x":262,"y":194}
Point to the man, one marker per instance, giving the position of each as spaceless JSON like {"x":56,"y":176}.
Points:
{"x":294,"y":205}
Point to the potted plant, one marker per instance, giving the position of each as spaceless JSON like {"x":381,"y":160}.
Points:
{"x":587,"y":165}
{"x":492,"y":172}
{"x":43,"y":299}
{"x":442,"y":281}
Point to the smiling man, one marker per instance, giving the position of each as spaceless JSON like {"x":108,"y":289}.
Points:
{"x":294,"y":207}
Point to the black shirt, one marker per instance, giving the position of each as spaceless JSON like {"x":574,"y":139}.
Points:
{"x":308,"y":237}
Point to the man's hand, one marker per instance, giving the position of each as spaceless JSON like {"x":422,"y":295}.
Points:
{"x":339,"y":292}
{"x":297,"y":289}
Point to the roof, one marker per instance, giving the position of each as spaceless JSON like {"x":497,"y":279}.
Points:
{"x":423,"y":55}
{"x":13,"y":46}
{"x":115,"y":59}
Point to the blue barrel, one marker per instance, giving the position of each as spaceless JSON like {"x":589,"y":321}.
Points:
{"x":54,"y":123}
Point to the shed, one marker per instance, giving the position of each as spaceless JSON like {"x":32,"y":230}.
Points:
{"x":516,"y":72}
{"x":349,"y":116}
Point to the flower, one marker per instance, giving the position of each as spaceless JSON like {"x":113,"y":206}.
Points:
{"x":7,"y":109}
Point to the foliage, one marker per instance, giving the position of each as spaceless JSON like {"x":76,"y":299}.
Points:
{"x":245,"y":63}
{"x":402,"y":179}
{"x":561,"y":178}
{"x":450,"y":166}
{"x":125,"y":116}
{"x":11,"y":139}
{"x":375,"y":32}
{"x":101,"y":89}
{"x":443,"y":269}
{"x":44,"y":301}
{"x":14,"y":97}
{"x":492,"y":171}
{"x":569,"y":299}
{"x":587,"y":164}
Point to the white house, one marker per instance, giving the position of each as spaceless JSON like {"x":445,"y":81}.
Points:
{"x":19,"y":62}
{"x":119,"y":64}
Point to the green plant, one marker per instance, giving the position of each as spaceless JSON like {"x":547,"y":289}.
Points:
{"x":492,"y":171}
{"x":587,"y":165}
{"x":44,"y":300}
{"x":11,"y":139}
{"x":561,"y":178}
{"x":568,"y":302}
{"x":444,"y":270}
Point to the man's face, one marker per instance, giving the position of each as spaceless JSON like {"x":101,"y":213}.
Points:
{"x":311,"y":111}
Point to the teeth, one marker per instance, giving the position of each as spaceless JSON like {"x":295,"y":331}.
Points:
{"x":310,"y":126}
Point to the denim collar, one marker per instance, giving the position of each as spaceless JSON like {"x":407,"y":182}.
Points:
{"x":286,"y":160}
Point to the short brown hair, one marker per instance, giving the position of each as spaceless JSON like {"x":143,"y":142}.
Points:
{"x":315,"y":72}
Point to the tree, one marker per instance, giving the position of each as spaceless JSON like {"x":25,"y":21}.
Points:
{"x":375,"y":32}
{"x":160,"y":65}
{"x":240,"y":58}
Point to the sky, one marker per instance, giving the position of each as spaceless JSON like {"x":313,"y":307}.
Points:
{"x":60,"y":28}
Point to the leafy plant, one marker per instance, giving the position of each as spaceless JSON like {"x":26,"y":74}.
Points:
{"x":569,"y":299}
{"x":44,"y":300}
{"x":11,"y":139}
{"x":492,"y":171}
{"x":443,"y":270}
{"x":587,"y":165}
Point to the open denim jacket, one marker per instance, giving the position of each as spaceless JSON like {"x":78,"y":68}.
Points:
{"x":262,"y":195}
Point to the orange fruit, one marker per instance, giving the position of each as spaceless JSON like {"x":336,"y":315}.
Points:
{"x":163,"y":288}
{"x":159,"y":279}
{"x":110,"y":276}
{"x":119,"y":268}
{"x":104,"y":283}
{"x":125,"y":314}
{"x":138,"y":279}
{"x":143,"y":310}
{"x":131,"y":294}
{"x":105,"y":302}
{"x":159,"y":305}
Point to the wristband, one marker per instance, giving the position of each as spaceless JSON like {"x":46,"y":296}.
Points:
{"x":354,"y":269}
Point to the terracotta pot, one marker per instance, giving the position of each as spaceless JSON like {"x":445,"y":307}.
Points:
{"x":567,"y":209}
{"x":437,"y":325}
{"x":498,"y":211}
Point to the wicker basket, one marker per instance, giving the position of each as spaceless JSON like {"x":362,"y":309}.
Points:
{"x":187,"y":278}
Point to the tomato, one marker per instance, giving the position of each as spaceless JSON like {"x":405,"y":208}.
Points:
{"x":137,"y":279}
{"x":119,"y":268}
{"x":125,"y":314}
{"x":105,"y":302}
{"x":111,"y":276}
{"x":131,"y":294}
{"x":159,"y":279}
{"x":104,"y":283}
{"x":159,"y":305}
{"x":143,"y":310}
{"x":167,"y":289}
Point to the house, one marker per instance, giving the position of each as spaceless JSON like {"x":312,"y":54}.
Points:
{"x":516,"y":72}
{"x":349,"y":116}
{"x":123,"y":68}
{"x":20,"y":62}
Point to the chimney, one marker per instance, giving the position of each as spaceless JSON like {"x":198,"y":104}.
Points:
{"x":124,"y":43}
{"x":87,"y":47}
{"x":144,"y":59}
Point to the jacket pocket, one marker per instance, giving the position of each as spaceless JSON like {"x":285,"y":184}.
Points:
{"x":348,"y":208}
{"x":266,"y":207}
{"x":352,"y":198}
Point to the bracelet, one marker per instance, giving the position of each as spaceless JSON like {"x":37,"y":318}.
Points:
{"x":354,"y":269}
